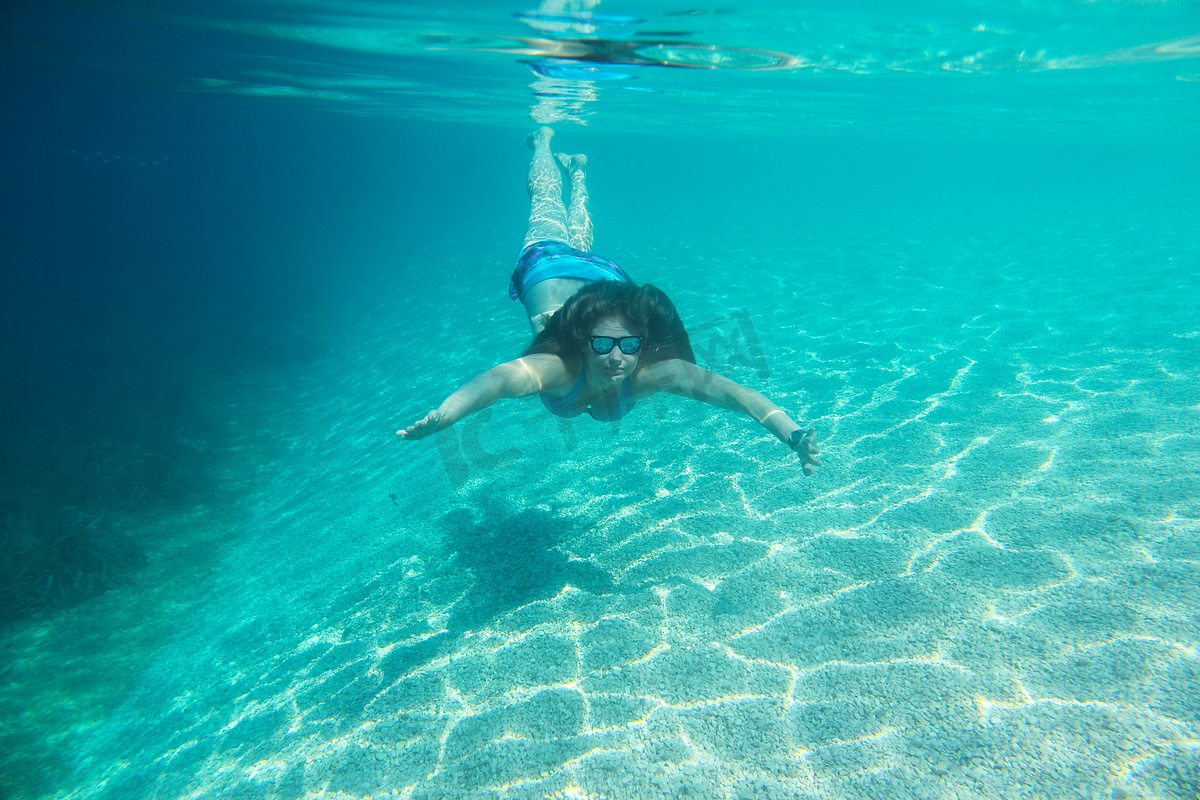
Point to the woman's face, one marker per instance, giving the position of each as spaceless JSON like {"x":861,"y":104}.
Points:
{"x":613,"y":366}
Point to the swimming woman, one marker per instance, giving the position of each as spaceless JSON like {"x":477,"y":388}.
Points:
{"x":601,"y":342}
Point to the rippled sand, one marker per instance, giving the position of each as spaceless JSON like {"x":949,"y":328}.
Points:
{"x":989,"y":591}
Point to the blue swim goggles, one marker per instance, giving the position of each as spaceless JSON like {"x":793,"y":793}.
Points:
{"x":603,"y":345}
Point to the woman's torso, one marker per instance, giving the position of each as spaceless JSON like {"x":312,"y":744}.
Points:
{"x":579,"y":398}
{"x":548,"y":296}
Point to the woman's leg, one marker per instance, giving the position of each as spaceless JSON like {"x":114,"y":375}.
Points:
{"x":579,"y":221}
{"x":547,"y":215}
{"x":547,"y":220}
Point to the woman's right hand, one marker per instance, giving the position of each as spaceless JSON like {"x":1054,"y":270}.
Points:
{"x":423,"y":427}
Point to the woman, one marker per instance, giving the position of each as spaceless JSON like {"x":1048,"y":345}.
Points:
{"x":601,"y":342}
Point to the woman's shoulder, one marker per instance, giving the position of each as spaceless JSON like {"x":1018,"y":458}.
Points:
{"x":553,"y":375}
{"x":663,"y":375}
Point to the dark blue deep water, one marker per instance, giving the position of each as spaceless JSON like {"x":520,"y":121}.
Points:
{"x":242,"y":243}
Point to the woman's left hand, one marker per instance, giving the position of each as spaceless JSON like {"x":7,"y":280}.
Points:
{"x":804,"y":442}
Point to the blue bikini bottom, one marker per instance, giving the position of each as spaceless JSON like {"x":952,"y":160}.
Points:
{"x":550,"y":258}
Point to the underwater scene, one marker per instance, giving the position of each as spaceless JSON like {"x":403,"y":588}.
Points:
{"x":247,"y":242}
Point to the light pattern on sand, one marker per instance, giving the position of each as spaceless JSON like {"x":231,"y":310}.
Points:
{"x":989,"y":591}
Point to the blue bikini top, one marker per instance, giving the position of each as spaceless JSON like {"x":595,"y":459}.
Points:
{"x":565,"y":406}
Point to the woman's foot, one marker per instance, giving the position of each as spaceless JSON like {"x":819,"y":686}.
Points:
{"x":571,"y":164}
{"x":540,"y":138}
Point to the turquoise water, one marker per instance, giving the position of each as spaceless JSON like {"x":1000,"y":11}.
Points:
{"x":248,"y":242}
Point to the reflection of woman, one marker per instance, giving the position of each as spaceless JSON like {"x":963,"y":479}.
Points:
{"x":601,"y":342}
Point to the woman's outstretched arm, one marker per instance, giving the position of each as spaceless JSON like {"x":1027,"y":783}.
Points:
{"x":520,"y":378}
{"x":687,"y":379}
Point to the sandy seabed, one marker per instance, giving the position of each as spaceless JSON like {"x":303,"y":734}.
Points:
{"x":989,"y":591}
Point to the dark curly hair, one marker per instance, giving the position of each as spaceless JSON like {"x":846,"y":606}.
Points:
{"x":645,"y":310}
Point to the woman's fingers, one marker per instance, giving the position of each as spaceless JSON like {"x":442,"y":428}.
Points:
{"x":422,"y":427}
{"x":803,"y":444}
{"x":408,"y":433}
